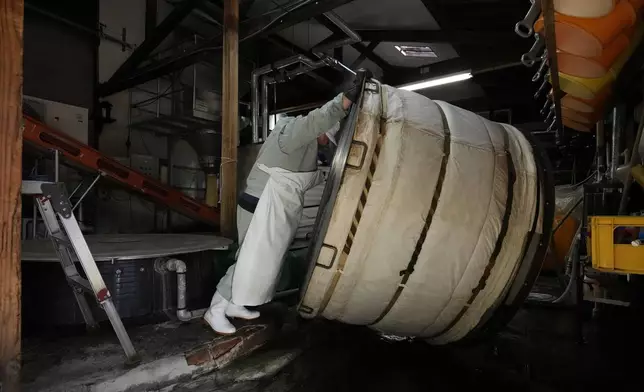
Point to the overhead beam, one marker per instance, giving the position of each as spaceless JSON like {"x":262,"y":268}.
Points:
{"x":379,"y":61}
{"x":456,"y":37}
{"x":11,"y":44}
{"x":359,"y":46}
{"x":213,"y":11}
{"x":304,"y":13}
{"x":251,"y":28}
{"x":230,"y":118}
{"x":318,"y":74}
{"x":363,"y":56}
{"x":143,"y":51}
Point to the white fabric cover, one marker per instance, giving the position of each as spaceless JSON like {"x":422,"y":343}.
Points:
{"x":269,"y":234}
{"x":408,"y":132}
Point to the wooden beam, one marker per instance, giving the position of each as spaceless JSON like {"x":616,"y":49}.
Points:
{"x":230,"y":118}
{"x":11,"y":28}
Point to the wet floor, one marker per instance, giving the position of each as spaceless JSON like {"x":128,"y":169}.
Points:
{"x":540,"y":350}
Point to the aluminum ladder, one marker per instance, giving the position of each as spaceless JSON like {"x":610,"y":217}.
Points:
{"x":70,"y":245}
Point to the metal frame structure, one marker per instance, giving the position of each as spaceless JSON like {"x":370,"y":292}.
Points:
{"x":472,"y":45}
{"x":70,"y":245}
{"x":131,"y":73}
{"x":333,"y":182}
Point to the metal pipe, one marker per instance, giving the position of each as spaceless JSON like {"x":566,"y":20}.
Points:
{"x":616,"y":140}
{"x":305,"y":106}
{"x":336,"y":20}
{"x":265,"y":82}
{"x":255,"y":108}
{"x":343,"y":67}
{"x":308,"y":66}
{"x":34,"y":222}
{"x":180,"y":268}
{"x":609,"y":160}
{"x":255,"y":92}
{"x":89,"y":188}
{"x":303,"y":69}
{"x":275,"y":97}
{"x":629,"y":177}
{"x":76,"y":190}
{"x":351,"y":38}
{"x":56,"y":166}
{"x":600,"y":152}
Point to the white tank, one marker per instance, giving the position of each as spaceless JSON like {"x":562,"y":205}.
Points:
{"x":432,"y":223}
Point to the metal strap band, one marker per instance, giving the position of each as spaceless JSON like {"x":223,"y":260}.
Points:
{"x":428,"y":220}
{"x":499,"y":241}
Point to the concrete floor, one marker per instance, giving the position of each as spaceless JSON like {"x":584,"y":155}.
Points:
{"x":538,"y":351}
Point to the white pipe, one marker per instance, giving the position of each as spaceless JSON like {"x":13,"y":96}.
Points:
{"x":180,"y":268}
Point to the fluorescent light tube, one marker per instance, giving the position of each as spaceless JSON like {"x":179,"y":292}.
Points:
{"x":437,"y":82}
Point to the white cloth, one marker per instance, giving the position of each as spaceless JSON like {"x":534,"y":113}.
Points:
{"x":270,"y":233}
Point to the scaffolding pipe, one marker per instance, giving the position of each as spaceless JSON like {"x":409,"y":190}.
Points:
{"x":600,"y":152}
{"x":255,"y":84}
{"x":615,"y":141}
{"x":265,"y":82}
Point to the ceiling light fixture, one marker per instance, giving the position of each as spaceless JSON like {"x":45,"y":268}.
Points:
{"x":437,"y":82}
{"x":416,"y":51}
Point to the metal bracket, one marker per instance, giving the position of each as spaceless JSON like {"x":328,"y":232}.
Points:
{"x":372,"y":87}
{"x":58,"y":196}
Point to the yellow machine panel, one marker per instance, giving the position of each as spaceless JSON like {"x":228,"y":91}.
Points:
{"x":607,"y":256}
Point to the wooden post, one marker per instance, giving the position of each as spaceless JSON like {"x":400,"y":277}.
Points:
{"x":11,"y":25}
{"x":230,"y":119}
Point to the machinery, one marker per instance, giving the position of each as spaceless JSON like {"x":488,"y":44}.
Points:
{"x":400,"y":247}
{"x":592,"y":93}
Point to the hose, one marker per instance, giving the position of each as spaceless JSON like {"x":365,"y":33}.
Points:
{"x":574,"y":254}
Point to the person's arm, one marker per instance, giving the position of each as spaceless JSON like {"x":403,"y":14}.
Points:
{"x":304,"y":129}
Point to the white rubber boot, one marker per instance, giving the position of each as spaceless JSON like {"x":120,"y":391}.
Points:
{"x":216,"y":315}
{"x":237,"y":311}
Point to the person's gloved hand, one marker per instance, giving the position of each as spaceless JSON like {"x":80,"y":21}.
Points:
{"x":353,"y":90}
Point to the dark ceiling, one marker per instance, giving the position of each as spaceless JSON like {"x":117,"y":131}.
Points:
{"x":472,"y":35}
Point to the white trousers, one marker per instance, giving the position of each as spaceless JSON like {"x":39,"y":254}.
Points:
{"x":225,"y":286}
{"x":268,"y":236}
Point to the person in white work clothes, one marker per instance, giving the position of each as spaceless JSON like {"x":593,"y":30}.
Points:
{"x":269,"y":209}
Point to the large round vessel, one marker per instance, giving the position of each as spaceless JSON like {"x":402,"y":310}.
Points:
{"x":434,"y":221}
